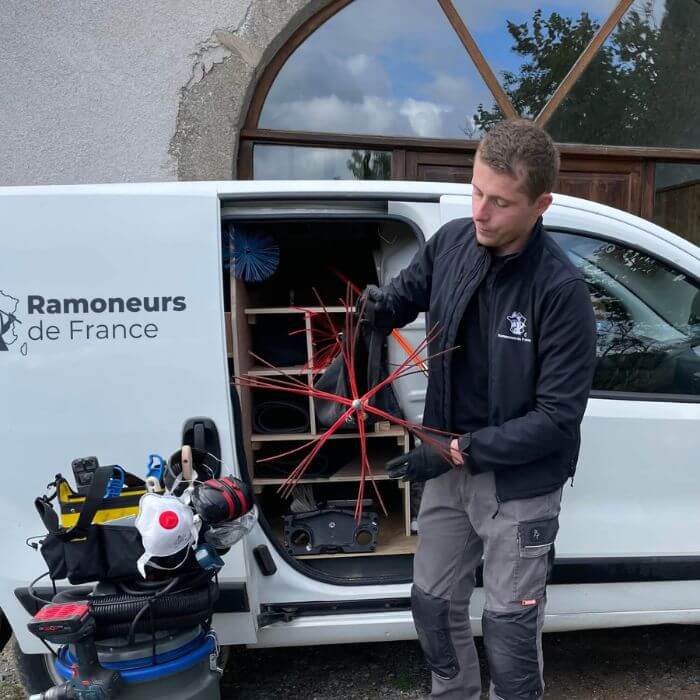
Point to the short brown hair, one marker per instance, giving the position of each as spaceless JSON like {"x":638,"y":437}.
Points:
{"x":523,"y":150}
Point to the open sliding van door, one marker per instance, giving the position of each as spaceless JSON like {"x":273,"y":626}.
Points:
{"x":112,"y":337}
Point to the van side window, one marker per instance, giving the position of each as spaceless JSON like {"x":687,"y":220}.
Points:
{"x":647,"y":318}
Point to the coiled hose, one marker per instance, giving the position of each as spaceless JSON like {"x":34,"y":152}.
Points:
{"x":183,"y":607}
{"x":144,"y":626}
{"x":123,"y":607}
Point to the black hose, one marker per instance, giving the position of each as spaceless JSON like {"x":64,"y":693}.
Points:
{"x":185,"y":606}
{"x":122,"y":607}
{"x":281,"y":416}
{"x":186,"y":581}
{"x":122,"y":629}
{"x":151,"y":617}
{"x":36,"y":597}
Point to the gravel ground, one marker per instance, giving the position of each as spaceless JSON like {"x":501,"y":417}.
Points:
{"x":644,"y":663}
{"x":9,"y":683}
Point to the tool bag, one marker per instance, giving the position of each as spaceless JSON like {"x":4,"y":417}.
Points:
{"x":89,"y":542}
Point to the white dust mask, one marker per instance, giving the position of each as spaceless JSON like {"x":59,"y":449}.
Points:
{"x":166,"y":526}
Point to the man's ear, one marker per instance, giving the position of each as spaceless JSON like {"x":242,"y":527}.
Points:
{"x":543,"y":202}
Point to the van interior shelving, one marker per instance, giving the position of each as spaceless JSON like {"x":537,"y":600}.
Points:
{"x":281,"y":320}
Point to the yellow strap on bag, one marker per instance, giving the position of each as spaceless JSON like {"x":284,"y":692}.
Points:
{"x":124,"y":505}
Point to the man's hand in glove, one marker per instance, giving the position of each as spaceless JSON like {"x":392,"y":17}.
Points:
{"x":373,"y":308}
{"x":422,"y":463}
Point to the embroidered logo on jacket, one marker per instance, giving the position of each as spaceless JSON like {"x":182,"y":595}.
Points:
{"x":518,"y":328}
{"x":517,"y":323}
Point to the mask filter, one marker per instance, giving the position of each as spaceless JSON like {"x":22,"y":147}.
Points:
{"x":167,"y":527}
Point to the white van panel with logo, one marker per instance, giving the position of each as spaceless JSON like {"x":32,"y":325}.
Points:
{"x":117,"y":338}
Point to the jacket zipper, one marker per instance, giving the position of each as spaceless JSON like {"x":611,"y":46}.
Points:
{"x":464,"y":286}
{"x":490,"y":344}
{"x":490,"y":378}
{"x":447,"y":410}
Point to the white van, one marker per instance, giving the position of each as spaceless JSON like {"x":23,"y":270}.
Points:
{"x":120,"y":321}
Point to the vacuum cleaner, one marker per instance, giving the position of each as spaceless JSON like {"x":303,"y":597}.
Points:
{"x":149,"y":634}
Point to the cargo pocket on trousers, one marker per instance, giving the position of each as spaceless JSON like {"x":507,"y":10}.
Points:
{"x":535,"y":547}
{"x":431,"y":617}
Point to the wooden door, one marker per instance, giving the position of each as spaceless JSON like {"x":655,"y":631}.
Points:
{"x":623,"y":184}
{"x":617,"y":183}
{"x":439,"y":167}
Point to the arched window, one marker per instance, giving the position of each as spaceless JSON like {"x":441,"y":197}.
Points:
{"x":395,"y":89}
{"x":376,"y":68}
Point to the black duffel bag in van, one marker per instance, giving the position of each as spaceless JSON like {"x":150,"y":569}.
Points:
{"x":370,"y":364}
{"x":103,"y":544}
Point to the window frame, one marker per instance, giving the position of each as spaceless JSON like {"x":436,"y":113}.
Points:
{"x":633,"y":395}
{"x":251,"y":133}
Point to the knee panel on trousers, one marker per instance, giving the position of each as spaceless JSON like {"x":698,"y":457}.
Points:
{"x":431,"y":617}
{"x":511,"y":649}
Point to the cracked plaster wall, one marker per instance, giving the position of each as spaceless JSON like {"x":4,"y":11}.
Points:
{"x":127,"y":91}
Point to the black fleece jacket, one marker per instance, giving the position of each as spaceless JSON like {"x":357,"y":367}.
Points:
{"x":541,"y":345}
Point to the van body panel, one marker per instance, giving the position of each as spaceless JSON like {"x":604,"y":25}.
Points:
{"x":86,"y":375}
{"x":569,"y":607}
{"x":67,"y":393}
{"x":425,"y":215}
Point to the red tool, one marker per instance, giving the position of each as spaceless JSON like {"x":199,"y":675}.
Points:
{"x":356,"y":405}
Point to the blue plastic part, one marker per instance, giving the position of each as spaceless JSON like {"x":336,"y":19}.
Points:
{"x":208,"y":558}
{"x":116,"y":483}
{"x":143,"y":670}
{"x":155,"y":466}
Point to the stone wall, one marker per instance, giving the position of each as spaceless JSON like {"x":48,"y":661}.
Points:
{"x":127,"y":91}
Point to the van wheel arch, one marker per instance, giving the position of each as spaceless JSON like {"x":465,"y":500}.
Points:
{"x":36,"y":671}
{"x":5,"y":630}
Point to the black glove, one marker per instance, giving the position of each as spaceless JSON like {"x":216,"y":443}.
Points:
{"x":373,"y":308}
{"x":421,"y":463}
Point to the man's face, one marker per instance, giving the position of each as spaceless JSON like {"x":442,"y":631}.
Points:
{"x":503,"y":213}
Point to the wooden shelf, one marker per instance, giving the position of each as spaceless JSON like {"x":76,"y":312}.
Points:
{"x":349,"y":473}
{"x":262,"y":310}
{"x":281,"y":437}
{"x":262,"y":371}
{"x":241,"y":328}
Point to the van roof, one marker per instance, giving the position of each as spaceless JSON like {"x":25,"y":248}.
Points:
{"x":392,"y":189}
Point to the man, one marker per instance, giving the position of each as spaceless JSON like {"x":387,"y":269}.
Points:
{"x":514,"y":391}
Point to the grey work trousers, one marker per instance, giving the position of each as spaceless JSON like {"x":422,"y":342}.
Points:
{"x":460,"y":521}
